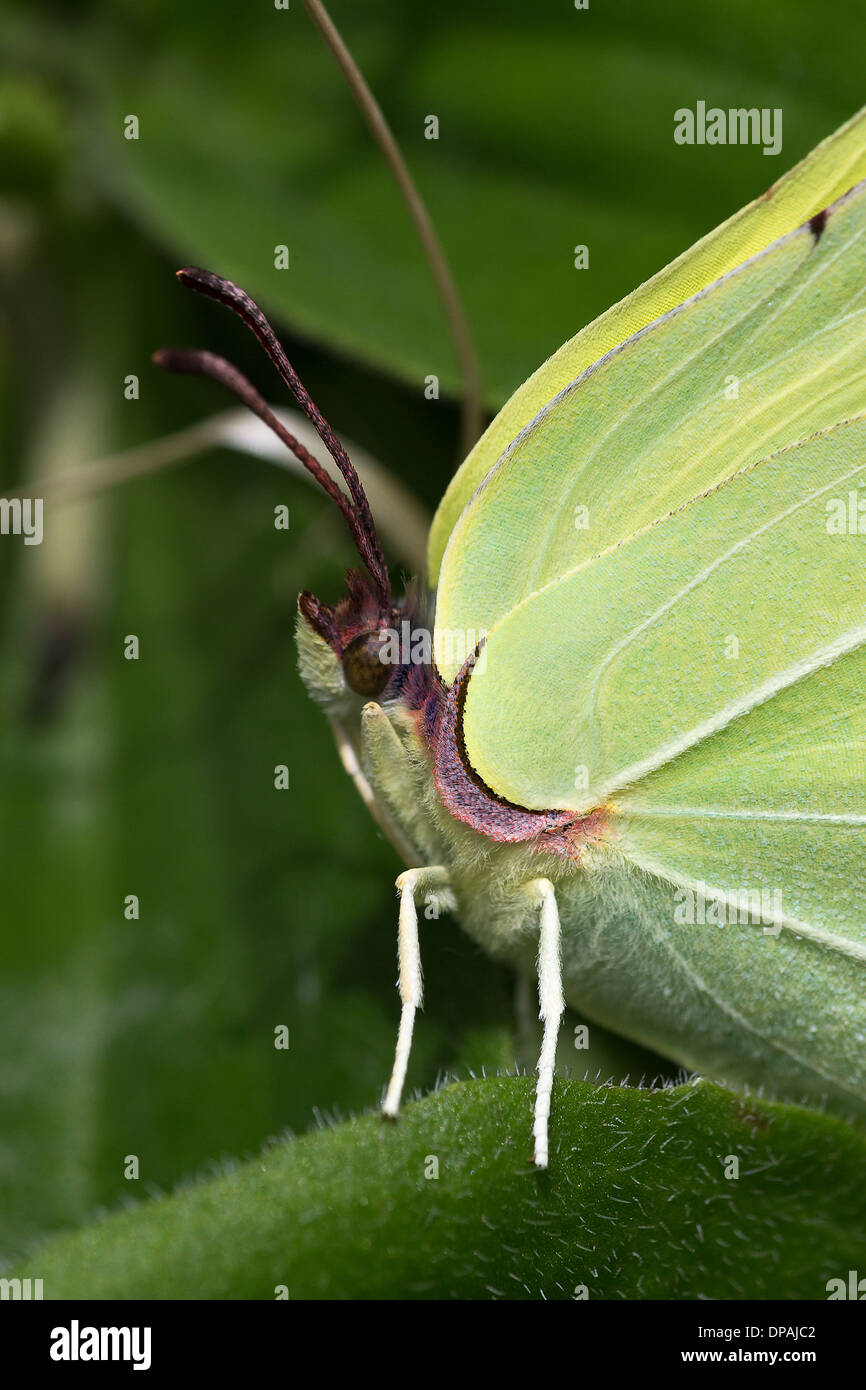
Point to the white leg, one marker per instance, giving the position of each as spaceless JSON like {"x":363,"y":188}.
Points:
{"x":551,"y":1007}
{"x":411,"y":983}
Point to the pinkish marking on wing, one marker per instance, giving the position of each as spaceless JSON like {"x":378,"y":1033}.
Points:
{"x":467,"y":798}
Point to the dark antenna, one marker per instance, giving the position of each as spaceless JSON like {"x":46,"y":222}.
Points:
{"x":195,"y":363}
{"x":358,"y":516}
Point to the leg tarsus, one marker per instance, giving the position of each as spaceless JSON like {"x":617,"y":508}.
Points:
{"x":411,"y":983}
{"x":551,"y":1008}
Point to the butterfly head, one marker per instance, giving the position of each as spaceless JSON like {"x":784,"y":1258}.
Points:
{"x":343,"y":650}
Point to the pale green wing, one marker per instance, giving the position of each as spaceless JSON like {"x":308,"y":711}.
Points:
{"x":768,"y":355}
{"x":704,"y":683}
{"x":823,"y":176}
{"x":775,"y":803}
{"x":657,"y":646}
{"x":748,"y":852}
{"x":725,"y":993}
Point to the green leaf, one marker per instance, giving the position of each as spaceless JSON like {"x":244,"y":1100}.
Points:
{"x":641,"y":1201}
{"x":555,"y":129}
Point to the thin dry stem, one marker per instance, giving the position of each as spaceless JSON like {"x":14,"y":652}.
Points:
{"x":445,"y":282}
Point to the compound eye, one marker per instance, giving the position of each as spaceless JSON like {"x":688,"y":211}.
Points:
{"x":364,"y":669}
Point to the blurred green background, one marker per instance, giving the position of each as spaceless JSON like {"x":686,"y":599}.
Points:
{"x":154,"y":1036}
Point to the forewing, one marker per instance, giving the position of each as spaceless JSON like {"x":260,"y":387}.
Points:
{"x":770,"y":354}
{"x":824,"y":175}
{"x":749,"y":850}
{"x":658,"y":647}
{"x":774,"y":805}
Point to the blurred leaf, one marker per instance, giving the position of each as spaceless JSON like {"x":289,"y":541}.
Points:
{"x":636,"y":1205}
{"x":32,"y":136}
{"x":555,"y":129}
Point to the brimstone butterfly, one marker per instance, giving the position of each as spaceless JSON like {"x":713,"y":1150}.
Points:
{"x":630,"y":746}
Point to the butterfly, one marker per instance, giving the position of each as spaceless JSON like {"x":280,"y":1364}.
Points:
{"x":623,"y":732}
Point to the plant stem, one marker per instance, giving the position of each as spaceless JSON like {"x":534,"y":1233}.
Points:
{"x":445,"y":283}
